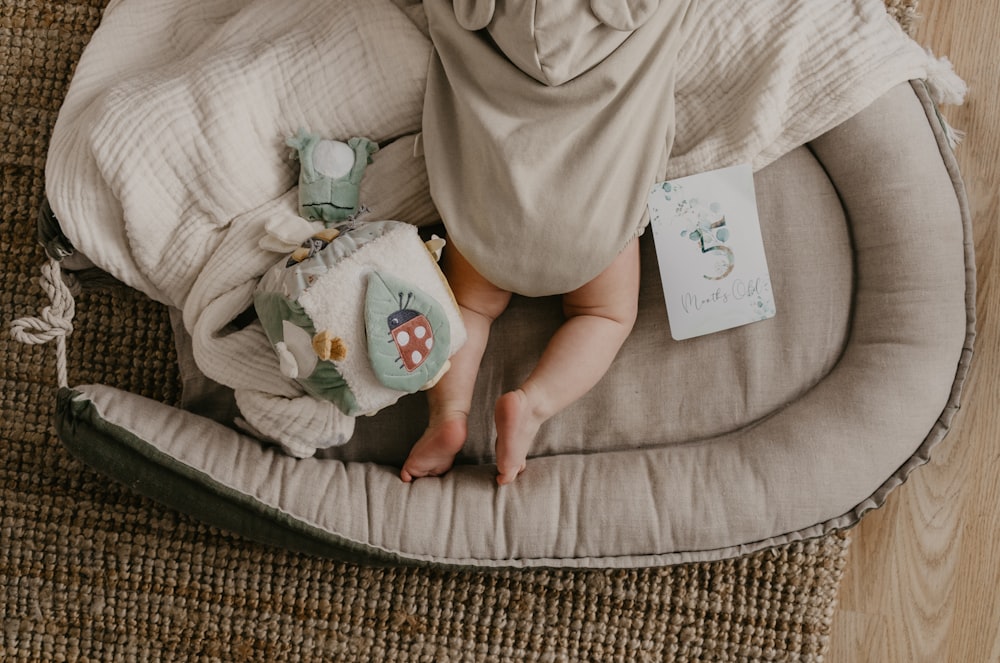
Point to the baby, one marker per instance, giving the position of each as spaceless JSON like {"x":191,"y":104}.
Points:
{"x":545,"y":125}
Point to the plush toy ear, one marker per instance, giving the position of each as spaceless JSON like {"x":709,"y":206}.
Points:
{"x":623,"y":15}
{"x":474,"y":14}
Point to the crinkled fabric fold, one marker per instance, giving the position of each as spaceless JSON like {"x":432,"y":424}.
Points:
{"x":168,"y":161}
{"x":757,"y":81}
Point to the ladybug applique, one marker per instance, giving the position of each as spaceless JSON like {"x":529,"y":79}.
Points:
{"x":412,"y":333}
{"x":415,"y":351}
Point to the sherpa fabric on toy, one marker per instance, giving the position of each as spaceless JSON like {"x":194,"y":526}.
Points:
{"x":360,"y":315}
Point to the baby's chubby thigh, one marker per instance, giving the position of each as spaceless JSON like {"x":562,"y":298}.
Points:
{"x":613,"y":294}
{"x":473,"y":292}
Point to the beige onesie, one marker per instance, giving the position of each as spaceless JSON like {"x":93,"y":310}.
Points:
{"x":546,"y":123}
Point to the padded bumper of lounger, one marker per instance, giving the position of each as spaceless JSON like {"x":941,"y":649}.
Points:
{"x":697,"y":450}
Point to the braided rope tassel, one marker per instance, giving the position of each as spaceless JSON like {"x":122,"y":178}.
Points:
{"x":55,"y":322}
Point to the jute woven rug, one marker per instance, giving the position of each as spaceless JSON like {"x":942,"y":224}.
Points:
{"x":92,"y":572}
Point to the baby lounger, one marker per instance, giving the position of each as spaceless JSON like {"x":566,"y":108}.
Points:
{"x":711,"y":447}
{"x":696,"y":450}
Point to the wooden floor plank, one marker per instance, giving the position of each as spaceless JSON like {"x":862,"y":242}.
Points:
{"x":926,"y":568}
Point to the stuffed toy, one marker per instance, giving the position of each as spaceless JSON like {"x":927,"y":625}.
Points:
{"x":330,"y":175}
{"x":359,"y":314}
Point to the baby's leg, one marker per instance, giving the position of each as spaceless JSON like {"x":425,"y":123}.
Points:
{"x":599,"y":317}
{"x":451,"y":398}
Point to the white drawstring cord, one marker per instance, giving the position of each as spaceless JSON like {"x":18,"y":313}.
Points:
{"x":55,"y":322}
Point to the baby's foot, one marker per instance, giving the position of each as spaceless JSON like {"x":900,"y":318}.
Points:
{"x":516,"y":429}
{"x":435,"y":451}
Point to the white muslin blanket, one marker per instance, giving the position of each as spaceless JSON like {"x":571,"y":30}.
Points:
{"x":168,"y":157}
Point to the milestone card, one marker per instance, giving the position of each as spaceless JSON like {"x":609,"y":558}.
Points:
{"x":711,"y":254}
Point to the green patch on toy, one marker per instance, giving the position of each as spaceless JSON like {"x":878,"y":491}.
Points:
{"x":330,"y":175}
{"x":291,"y":332}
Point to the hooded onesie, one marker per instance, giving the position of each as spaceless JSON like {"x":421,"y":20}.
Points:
{"x":546,"y":123}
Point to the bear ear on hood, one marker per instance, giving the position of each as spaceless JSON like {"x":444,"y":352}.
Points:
{"x":474,"y":14}
{"x":624,"y":15}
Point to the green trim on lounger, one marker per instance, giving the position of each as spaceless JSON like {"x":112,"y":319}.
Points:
{"x":127,"y":458}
